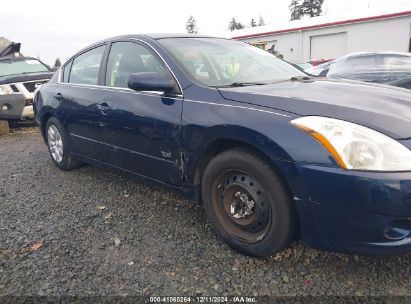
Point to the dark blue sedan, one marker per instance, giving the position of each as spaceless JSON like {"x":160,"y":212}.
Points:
{"x":271,"y":153}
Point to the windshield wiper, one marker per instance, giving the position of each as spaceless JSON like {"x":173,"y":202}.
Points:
{"x":240,"y":84}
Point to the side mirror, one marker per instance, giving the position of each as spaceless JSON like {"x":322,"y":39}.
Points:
{"x":149,"y":81}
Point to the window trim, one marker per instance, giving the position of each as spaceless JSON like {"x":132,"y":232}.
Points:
{"x":107,"y":44}
{"x":164,"y":61}
{"x":69,"y":64}
{"x":71,"y":60}
{"x":148,"y":47}
{"x":104,"y":45}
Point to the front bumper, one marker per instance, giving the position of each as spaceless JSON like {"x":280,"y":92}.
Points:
{"x":14,"y":106}
{"x":354,"y":212}
{"x":27,"y":112}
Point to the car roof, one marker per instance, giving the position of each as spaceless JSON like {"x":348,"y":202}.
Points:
{"x":359,"y":54}
{"x":157,"y":36}
{"x":177,"y":35}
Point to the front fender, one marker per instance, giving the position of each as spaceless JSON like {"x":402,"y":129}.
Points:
{"x":266,"y":130}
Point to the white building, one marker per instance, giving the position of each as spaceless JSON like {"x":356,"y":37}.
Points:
{"x":332,"y":36}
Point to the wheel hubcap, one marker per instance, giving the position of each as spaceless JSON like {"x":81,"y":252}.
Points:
{"x":55,"y":143}
{"x":241,"y":206}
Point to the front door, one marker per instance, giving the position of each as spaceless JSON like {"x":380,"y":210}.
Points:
{"x":140,"y":130}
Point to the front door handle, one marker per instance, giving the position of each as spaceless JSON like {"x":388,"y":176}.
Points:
{"x":104,"y":108}
{"x":58,"y":96}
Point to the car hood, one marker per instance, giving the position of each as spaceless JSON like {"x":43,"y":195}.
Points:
{"x":382,"y":108}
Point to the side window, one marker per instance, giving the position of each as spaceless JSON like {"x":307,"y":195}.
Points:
{"x":126,"y":58}
{"x":66,"y":71}
{"x":85,"y":67}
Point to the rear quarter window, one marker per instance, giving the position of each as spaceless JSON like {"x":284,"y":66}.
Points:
{"x":66,"y":71}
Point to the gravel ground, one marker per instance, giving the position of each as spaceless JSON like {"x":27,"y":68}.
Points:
{"x":94,"y":232}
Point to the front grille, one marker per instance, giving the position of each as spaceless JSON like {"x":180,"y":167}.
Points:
{"x":31,"y":86}
{"x":14,"y":88}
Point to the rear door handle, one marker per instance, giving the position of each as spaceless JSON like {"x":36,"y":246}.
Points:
{"x":58,"y":96}
{"x":104,"y":108}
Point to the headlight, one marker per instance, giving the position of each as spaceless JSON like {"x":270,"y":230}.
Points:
{"x":355,"y":147}
{"x":5,"y":90}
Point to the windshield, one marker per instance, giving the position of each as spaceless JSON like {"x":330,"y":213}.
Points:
{"x":222,"y":62}
{"x":25,"y":66}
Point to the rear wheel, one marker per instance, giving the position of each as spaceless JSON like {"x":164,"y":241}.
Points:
{"x":247,"y":203}
{"x":58,"y":146}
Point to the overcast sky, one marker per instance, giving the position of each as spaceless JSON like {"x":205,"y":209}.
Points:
{"x":58,"y":28}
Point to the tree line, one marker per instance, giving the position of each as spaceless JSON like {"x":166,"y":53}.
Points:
{"x":192,"y":28}
{"x":302,"y":8}
{"x":298,"y":10}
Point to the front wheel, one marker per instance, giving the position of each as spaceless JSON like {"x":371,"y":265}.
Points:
{"x":247,"y":203}
{"x":58,"y":145}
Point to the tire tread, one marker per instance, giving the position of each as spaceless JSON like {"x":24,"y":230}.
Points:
{"x":272,"y":176}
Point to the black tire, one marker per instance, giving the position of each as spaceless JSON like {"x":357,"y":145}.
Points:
{"x":252,"y":234}
{"x":67,"y":162}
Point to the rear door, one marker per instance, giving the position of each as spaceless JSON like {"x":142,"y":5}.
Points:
{"x":141,"y":130}
{"x":80,"y":101}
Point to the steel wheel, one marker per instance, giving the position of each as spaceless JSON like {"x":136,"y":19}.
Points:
{"x":241,"y":206}
{"x":55,"y":143}
{"x":247,"y":203}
